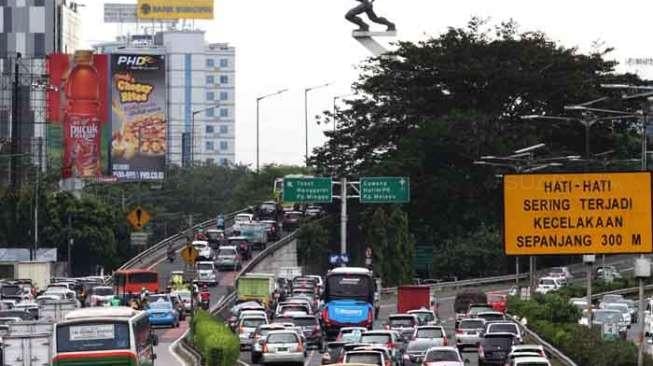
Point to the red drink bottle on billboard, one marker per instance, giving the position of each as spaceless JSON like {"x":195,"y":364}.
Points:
{"x":81,"y":119}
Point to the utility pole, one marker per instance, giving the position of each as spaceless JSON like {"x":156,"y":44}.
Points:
{"x":343,"y":216}
{"x":36,"y":198}
{"x":71,"y":241}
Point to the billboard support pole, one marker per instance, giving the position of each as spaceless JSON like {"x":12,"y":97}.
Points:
{"x":15,"y":130}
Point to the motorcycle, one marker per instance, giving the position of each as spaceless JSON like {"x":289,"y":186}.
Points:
{"x":171,"y":256}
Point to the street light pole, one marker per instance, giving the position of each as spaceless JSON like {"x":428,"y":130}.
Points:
{"x":258,"y":101}
{"x":192,"y":129}
{"x":306,"y":115}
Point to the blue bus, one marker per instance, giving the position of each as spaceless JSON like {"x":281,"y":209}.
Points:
{"x":348,"y":299}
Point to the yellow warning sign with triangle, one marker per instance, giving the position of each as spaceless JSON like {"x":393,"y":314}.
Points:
{"x":138,"y":218}
{"x":189,"y":254}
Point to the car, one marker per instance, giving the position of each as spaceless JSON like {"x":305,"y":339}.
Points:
{"x":469,"y":332}
{"x":494,"y":348}
{"x":548,"y":284}
{"x":332,"y":352}
{"x":425,"y":316}
{"x":367,"y":357}
{"x":204,"y":251}
{"x":385,"y":338}
{"x":186,"y":299}
{"x":351,"y":334}
{"x":443,"y":356}
{"x":463,"y":301}
{"x":302,"y":300}
{"x":246,"y":327}
{"x":432,"y":332}
{"x":311,"y":329}
{"x":291,"y":220}
{"x":530,"y":361}
{"x":611,"y":322}
{"x":475,"y":309}
{"x":207,"y":274}
{"x":416,"y":350}
{"x":292,"y":309}
{"x":611,"y":298}
{"x":162,"y":313}
{"x":314,"y":211}
{"x":579,"y":302}
{"x":622,"y":308}
{"x":228,"y":258}
{"x":528,"y":348}
{"x":284,"y":347}
{"x":258,"y":337}
{"x":268,"y":210}
{"x":490,"y":316}
{"x":498,"y":301}
{"x":99,"y":296}
{"x":504,"y":327}
{"x":405,"y":324}
{"x":607,"y":273}
{"x":30,"y":307}
{"x":214,"y":236}
{"x":563,"y":272}
{"x":252,"y":313}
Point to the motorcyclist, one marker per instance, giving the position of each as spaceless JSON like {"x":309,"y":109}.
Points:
{"x":171,"y":252}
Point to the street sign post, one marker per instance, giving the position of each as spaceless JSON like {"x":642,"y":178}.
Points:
{"x":138,"y":218}
{"x":577,"y":213}
{"x":307,"y":190}
{"x":385,"y":189}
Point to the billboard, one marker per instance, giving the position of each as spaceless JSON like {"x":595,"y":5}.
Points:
{"x":120,"y":13}
{"x":175,"y":9}
{"x":586,"y":213}
{"x":77,"y":112}
{"x":138,"y":117}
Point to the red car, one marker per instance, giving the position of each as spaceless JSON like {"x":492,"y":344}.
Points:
{"x":498,"y":301}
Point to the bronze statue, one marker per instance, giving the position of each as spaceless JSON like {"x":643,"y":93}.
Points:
{"x":367,"y":7}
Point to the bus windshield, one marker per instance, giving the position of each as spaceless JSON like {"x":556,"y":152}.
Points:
{"x":349,"y":286}
{"x":95,"y":336}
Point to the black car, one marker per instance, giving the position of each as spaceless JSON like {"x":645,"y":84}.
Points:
{"x":494,"y":348}
{"x":268,"y":210}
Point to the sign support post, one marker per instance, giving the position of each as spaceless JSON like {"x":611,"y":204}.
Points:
{"x":589,"y":260}
{"x":343,"y":216}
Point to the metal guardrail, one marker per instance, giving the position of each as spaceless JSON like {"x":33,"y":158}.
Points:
{"x":159,"y":250}
{"x":548,"y":348}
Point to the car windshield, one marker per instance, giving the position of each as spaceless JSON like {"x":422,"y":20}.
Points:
{"x":478,"y":309}
{"x":265,"y":331}
{"x":293,"y":308}
{"x":371,"y":358}
{"x":429,"y":333}
{"x":425,"y":316}
{"x":604,"y":316}
{"x":304,"y":322}
{"x":471,"y":324}
{"x":205,"y":266}
{"x":503,"y":328}
{"x":227,"y":252}
{"x":491,"y":316}
{"x":253,"y":322}
{"x":442,"y":355}
{"x":282,"y":338}
{"x":103,"y":291}
{"x":557,"y":270}
{"x":375,"y":338}
{"x":161,"y":305}
{"x":547,"y":282}
{"x":619,"y":307}
{"x":504,"y":342}
{"x":402,"y":322}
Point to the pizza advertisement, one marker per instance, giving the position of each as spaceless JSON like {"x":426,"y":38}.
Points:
{"x":138,"y":117}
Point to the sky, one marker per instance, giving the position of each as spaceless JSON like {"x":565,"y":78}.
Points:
{"x":296,"y":44}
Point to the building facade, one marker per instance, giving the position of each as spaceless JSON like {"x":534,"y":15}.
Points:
{"x":201,"y":93}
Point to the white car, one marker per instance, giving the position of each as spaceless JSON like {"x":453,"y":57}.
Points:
{"x":563,"y":272}
{"x":530,"y":361}
{"x":241,"y":219}
{"x":204,"y":251}
{"x":443,"y":356}
{"x":246,"y":326}
{"x":207,"y":273}
{"x":622,"y":308}
{"x":548,"y":284}
{"x":504,"y":327}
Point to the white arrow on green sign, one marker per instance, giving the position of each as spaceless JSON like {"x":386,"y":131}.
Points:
{"x":307,"y":190}
{"x":385,"y":189}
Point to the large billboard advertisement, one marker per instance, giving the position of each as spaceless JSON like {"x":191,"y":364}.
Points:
{"x":138,"y":117}
{"x":175,"y":9}
{"x":78,"y":112}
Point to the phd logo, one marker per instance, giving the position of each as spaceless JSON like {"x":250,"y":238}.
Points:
{"x":135,"y":60}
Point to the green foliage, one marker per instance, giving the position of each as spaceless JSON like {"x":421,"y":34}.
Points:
{"x":440,"y":104}
{"x":213,"y":338}
{"x":312,"y":246}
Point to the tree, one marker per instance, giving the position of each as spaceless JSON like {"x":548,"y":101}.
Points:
{"x":399,"y":238}
{"x":312,"y":246}
{"x":434,"y":107}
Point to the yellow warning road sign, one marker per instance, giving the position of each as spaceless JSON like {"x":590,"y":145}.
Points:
{"x":189,"y":254}
{"x":138,"y":218}
{"x":587,"y":213}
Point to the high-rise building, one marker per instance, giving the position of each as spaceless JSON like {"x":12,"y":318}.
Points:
{"x":201,"y":93}
{"x":29,"y":31}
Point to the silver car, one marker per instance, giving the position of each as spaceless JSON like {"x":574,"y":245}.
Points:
{"x":228,"y":258}
{"x":469,"y":332}
{"x":417,"y":348}
{"x":246,"y":327}
{"x":284,"y":347}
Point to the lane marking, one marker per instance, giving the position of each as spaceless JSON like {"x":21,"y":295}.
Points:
{"x":173,"y":345}
{"x":243,"y":363}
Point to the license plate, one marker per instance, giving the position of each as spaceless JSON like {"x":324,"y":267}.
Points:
{"x":284,"y":349}
{"x":471,"y":333}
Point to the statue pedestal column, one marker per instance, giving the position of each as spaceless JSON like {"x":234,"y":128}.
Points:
{"x":367,"y":40}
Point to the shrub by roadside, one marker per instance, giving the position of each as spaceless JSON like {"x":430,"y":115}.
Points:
{"x":215,"y":341}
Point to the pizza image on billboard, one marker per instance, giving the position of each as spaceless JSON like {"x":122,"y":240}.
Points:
{"x":138,"y":117}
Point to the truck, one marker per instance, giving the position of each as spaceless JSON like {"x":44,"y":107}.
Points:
{"x":256,"y":233}
{"x":256,"y":286}
{"x":55,"y":310}
{"x":39,"y":272}
{"x":413,"y":297}
{"x":26,"y":349}
{"x":289,"y":272}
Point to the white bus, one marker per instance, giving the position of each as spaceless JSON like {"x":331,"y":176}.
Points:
{"x":103,"y":336}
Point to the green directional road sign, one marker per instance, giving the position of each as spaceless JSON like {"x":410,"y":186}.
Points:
{"x":385,"y":190}
{"x":307,"y":190}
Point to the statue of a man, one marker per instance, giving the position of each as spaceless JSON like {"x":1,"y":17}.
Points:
{"x":367,"y":7}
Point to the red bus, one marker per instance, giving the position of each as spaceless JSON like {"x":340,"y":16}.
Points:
{"x":134,"y":280}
